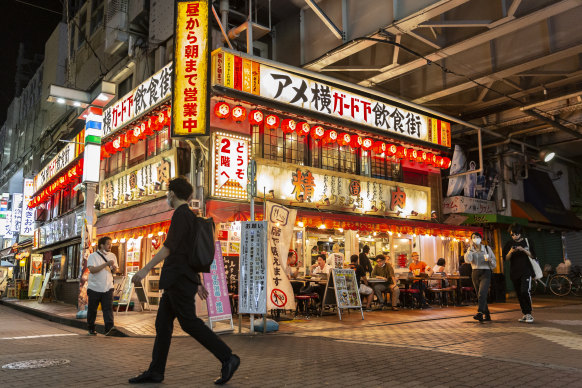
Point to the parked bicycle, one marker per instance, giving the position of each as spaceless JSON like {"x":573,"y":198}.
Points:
{"x":559,"y":285}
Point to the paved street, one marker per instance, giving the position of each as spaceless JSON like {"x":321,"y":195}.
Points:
{"x":444,"y":352}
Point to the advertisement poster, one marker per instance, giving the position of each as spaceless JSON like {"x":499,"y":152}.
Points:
{"x":279,"y":290}
{"x":218,"y":303}
{"x":346,"y":288}
{"x":253,"y":268}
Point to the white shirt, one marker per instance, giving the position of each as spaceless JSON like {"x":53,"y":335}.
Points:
{"x":326,"y":269}
{"x":101,"y":281}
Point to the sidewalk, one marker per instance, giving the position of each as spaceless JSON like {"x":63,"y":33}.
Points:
{"x":142,"y":324}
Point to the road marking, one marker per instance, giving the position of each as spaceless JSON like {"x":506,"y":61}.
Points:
{"x":37,"y":336}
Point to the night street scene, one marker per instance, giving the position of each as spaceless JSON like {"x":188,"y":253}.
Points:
{"x":291,"y":193}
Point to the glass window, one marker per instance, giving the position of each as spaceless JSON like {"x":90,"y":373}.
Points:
{"x":137,"y":153}
{"x":294,"y":149}
{"x":273,"y":148}
{"x":82,"y":25}
{"x":151,"y":146}
{"x":163,"y":142}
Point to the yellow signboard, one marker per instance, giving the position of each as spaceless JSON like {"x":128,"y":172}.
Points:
{"x":191,"y":55}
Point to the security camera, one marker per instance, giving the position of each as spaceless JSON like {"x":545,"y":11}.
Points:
{"x":80,"y":186}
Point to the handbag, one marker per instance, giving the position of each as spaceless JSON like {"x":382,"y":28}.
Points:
{"x":535,"y":265}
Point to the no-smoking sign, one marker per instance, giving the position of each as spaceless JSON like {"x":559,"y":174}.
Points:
{"x":278,"y":297}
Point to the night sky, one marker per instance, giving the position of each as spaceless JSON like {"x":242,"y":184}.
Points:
{"x":27,"y":24}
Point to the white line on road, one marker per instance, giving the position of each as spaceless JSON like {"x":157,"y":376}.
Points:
{"x":37,"y":336}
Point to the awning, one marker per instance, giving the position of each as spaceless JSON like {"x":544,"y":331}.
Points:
{"x":223,"y":211}
{"x":60,"y":244}
{"x":493,"y":219}
{"x":528,"y":211}
{"x":541,"y":193}
{"x":134,"y":217}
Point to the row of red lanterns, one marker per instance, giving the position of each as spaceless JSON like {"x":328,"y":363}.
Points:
{"x":223,"y":111}
{"x":155,"y":122}
{"x":59,"y":183}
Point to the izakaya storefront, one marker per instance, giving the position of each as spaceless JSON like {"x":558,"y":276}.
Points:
{"x":138,"y":160}
{"x":360,"y":168}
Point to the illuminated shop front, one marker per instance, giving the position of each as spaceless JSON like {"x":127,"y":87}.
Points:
{"x":360,"y":168}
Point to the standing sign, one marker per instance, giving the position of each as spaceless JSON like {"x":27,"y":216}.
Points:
{"x":231,"y":162}
{"x":27,"y":218}
{"x":343,"y":285}
{"x":192,"y":55}
{"x":217,"y":302}
{"x":253,"y":268}
{"x":281,"y":221}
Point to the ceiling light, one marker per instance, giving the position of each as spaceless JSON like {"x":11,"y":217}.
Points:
{"x":547,"y":155}
{"x":76,"y":103}
{"x":61,"y":100}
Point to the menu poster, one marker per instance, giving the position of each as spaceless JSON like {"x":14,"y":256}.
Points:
{"x":253,"y":268}
{"x":218,"y":303}
{"x":346,"y":288}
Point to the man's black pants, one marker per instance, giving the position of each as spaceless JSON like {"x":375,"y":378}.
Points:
{"x":522,"y":286}
{"x":178,"y":302}
{"x":106,"y":300}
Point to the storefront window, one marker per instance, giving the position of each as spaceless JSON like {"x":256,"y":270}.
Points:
{"x":163,"y":140}
{"x":73,"y":261}
{"x":273,"y":148}
{"x":294,"y":149}
{"x":383,"y":167}
{"x":136,"y":153}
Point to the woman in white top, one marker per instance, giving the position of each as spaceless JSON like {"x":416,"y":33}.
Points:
{"x":482,"y":260}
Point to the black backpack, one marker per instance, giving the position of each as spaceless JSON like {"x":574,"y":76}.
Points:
{"x":203,"y":254}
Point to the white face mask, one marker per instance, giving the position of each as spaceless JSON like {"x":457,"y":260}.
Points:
{"x":477,"y":240}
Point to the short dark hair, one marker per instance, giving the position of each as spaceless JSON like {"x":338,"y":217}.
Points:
{"x":441,"y":262}
{"x":354,"y":258}
{"x":290,"y":253}
{"x":366,"y":249}
{"x":102,"y":241}
{"x":515,"y":229}
{"x":181,"y":188}
{"x":322,"y":256}
{"x":380,"y":257}
{"x":477,"y":234}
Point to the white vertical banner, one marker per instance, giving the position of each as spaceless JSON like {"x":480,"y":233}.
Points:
{"x":252,"y":272}
{"x":280,"y":231}
{"x":16,"y":211}
{"x":27,"y":219}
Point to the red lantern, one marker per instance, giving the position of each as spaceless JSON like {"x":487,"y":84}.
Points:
{"x":412,"y":154}
{"x":317,"y":132}
{"x":109,"y":148}
{"x":401,"y":152}
{"x":446,"y":163}
{"x":343,"y":139}
{"x":379,"y":147}
{"x":367,"y":144}
{"x":303,"y":129}
{"x":256,"y":117}
{"x":288,"y":125}
{"x":104,"y":154}
{"x":149,"y":130}
{"x":222,"y":110}
{"x":421,"y":157}
{"x":142,"y":131}
{"x":330,"y":136}
{"x":123,"y":140}
{"x":117,"y":144}
{"x":131,"y":137}
{"x":356,"y":141}
{"x":272,"y":121}
{"x":429,"y":159}
{"x":239,"y":114}
{"x":438,"y":161}
{"x":391,"y":150}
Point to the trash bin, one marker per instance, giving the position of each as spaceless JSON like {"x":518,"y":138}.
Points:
{"x":497,"y":289}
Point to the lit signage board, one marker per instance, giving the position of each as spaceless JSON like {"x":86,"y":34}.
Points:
{"x":231,"y":162}
{"x":56,"y":165}
{"x":191,"y":53}
{"x":253,"y":77}
{"x":27,"y":220}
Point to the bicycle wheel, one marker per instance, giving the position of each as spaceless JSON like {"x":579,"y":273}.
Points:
{"x":560,"y":285}
{"x":577,"y":286}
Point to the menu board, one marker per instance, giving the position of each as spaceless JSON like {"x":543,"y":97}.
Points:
{"x":253,"y":268}
{"x":229,"y":236}
{"x":346,"y":288}
{"x":132,"y":259}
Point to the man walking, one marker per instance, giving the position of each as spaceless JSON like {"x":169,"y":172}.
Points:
{"x":180,"y":284}
{"x":101,"y":264}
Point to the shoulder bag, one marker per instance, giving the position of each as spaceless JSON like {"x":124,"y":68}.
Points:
{"x":535,"y":265}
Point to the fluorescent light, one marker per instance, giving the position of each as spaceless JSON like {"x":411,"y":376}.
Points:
{"x":61,"y":100}
{"x":76,"y":103}
{"x":102,"y":97}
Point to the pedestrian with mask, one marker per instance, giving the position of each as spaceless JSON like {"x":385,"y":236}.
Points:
{"x":518,"y":251}
{"x":180,"y":284}
{"x":482,"y":260}
{"x":101,"y":264}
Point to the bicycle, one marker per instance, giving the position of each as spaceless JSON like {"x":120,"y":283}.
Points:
{"x":576,"y":279}
{"x":558,"y":284}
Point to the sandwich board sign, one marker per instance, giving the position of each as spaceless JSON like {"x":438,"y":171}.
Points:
{"x":342,"y":286}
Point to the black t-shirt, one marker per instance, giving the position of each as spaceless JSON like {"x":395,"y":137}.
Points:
{"x":180,"y":242}
{"x":365,"y":262}
{"x":466,"y":270}
{"x":359,"y":272}
{"x":520,"y":264}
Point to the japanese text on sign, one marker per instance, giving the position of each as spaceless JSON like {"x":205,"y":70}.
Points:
{"x":27,"y":218}
{"x":231,"y":165}
{"x":253,"y":268}
{"x":58,"y":163}
{"x":189,"y":116}
{"x":215,"y":282}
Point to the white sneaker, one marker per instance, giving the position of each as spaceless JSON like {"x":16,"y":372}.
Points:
{"x":522,"y":319}
{"x":529,"y":318}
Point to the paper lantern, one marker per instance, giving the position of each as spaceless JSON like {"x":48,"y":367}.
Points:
{"x":343,"y":139}
{"x":256,"y":117}
{"x":401,"y":152}
{"x":367,"y":144}
{"x":239,"y":114}
{"x":445,"y":163}
{"x":391,"y":149}
{"x":421,"y":157}
{"x":438,"y":161}
{"x":379,"y":147}
{"x":109,"y":148}
{"x":356,"y":141}
{"x":142,"y":131}
{"x":104,"y":154}
{"x":288,"y":125}
{"x":412,"y":154}
{"x":429,"y":158}
{"x":330,"y":136}
{"x":116,"y":144}
{"x":303,"y":128}
{"x":272,"y":121}
{"x":317,"y":132}
{"x":149,"y":130}
{"x":222,"y":110}
{"x":131,"y":137}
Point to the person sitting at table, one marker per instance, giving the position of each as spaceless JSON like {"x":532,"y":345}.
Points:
{"x":291,"y":274}
{"x":465,"y":269}
{"x":363,"y":285}
{"x":418,"y":266}
{"x":321,"y":266}
{"x":364,"y":260}
{"x":438,"y":270}
{"x":384,"y":270}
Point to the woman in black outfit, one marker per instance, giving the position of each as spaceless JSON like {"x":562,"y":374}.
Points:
{"x":518,"y":251}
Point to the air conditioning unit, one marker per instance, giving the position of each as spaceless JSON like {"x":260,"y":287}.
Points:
{"x":116,"y":22}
